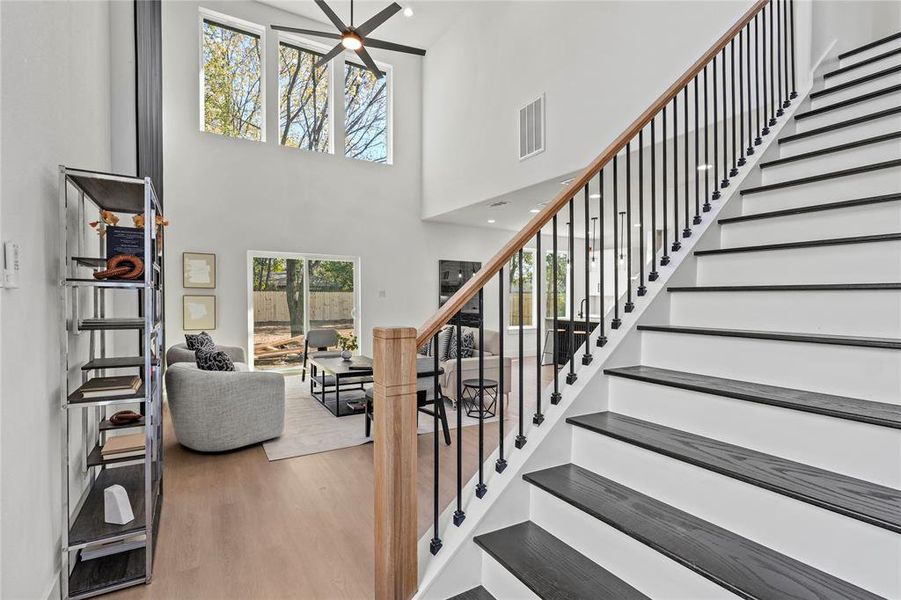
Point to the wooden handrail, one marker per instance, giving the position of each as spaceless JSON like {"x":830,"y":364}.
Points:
{"x":496,"y":262}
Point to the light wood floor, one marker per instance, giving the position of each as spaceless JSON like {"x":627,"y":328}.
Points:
{"x":235,"y":525}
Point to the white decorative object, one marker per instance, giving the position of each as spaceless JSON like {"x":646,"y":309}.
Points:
{"x":116,"y":507}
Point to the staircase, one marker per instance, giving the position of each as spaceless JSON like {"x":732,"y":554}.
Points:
{"x":754,"y":450}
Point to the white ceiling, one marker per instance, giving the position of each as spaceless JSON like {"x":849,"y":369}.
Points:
{"x":431,"y":18}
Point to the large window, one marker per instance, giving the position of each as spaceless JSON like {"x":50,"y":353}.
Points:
{"x":366,"y":118}
{"x":562,"y":284}
{"x":232,"y":81}
{"x":302,"y":99}
{"x":526,"y":284}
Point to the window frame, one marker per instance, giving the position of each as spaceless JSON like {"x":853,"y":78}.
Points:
{"x":511,"y":294}
{"x":388,"y":70}
{"x":240,"y":26}
{"x":315,"y":48}
{"x":547,"y":288}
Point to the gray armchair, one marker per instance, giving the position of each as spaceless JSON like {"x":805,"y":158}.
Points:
{"x":214,"y":411}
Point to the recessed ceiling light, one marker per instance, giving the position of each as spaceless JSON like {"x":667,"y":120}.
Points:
{"x":567,"y":181}
{"x":704,"y":167}
{"x":534,"y":210}
{"x":491,"y":220}
{"x":594,"y":195}
{"x":408,"y":12}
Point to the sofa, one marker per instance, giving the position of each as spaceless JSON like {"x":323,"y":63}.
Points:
{"x":470,"y":365}
{"x":215,"y":411}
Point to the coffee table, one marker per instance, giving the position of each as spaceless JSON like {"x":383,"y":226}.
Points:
{"x":338,"y":384}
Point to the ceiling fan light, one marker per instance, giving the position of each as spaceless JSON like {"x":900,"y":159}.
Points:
{"x":351,"y":41}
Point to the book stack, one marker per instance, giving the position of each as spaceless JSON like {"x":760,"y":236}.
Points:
{"x":111,"y":387}
{"x":123,"y":446}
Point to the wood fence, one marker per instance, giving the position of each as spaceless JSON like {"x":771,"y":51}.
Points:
{"x":272,"y":307}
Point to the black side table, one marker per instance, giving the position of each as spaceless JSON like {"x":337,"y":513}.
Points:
{"x":470,"y":397}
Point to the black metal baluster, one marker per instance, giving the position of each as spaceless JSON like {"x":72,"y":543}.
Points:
{"x":602,"y":337}
{"x":481,"y":488}
{"x":538,"y":417}
{"x":686,"y":232}
{"x":750,"y":114}
{"x":677,"y":245}
{"x":587,"y":358}
{"x":571,"y":259}
{"x":629,"y":306}
{"x":459,"y":515}
{"x":734,"y":170}
{"x":555,"y":396}
{"x":791,"y":26}
{"x":501,"y":462}
{"x":773,"y":101}
{"x":653,"y":275}
{"x":697,"y":217}
{"x":435,"y":544}
{"x":741,"y":100}
{"x":642,"y":290}
{"x":725,"y":182}
{"x":616,"y":322}
{"x":780,"y":59}
{"x":716,"y":143}
{"x":520,"y":440}
{"x":664,"y":260}
{"x":758,"y":81}
{"x":706,"y":207}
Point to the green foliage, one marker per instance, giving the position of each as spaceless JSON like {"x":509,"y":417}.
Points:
{"x":232,"y":69}
{"x":348,"y":342}
{"x":303,"y":100}
{"x":562,"y":272}
{"x":264,"y":273}
{"x":331,"y":276}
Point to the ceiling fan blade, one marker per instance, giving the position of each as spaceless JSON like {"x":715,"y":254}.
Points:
{"x":328,"y":34}
{"x":380,"y":17}
{"x":370,"y":64}
{"x":330,"y":55}
{"x":336,"y":21}
{"x":392,"y":46}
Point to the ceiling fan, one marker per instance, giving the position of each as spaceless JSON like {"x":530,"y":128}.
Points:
{"x":355,"y":38}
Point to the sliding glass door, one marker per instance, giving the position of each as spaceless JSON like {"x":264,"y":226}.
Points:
{"x":293,"y":293}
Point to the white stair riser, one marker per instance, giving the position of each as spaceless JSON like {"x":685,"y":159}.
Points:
{"x":853,"y":111}
{"x":856,"y":90}
{"x":866,"y":373}
{"x":874,"y":313}
{"x":852,"y":133}
{"x":864,"y":70}
{"x":860,"y":450}
{"x":867,"y":556}
{"x":501,"y":583}
{"x":849,"y":263}
{"x":645,"y":569}
{"x":834,"y":161}
{"x":875,"y":51}
{"x":867,"y":219}
{"x":858,"y":185}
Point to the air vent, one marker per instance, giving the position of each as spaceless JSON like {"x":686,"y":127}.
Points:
{"x":498,"y":203}
{"x":531,"y":128}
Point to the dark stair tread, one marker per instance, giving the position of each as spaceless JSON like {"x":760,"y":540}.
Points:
{"x":858,"y":239}
{"x":811,"y":338}
{"x":869,"y":45}
{"x":812,"y":208}
{"x":832,"y":149}
{"x":863,"y":63}
{"x":855,"y":498}
{"x":788,"y":287}
{"x":841,"y":125}
{"x":889,"y":164}
{"x":551,"y":568}
{"x":849,"y":102}
{"x":858,"y":81}
{"x":738,"y":564}
{"x":476,"y":593}
{"x":841,"y":407}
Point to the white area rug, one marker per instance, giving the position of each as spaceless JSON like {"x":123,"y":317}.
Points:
{"x":310,"y":428}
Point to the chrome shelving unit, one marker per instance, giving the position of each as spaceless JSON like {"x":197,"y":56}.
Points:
{"x":87,"y":307}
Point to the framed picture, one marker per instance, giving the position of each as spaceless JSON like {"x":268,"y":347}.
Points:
{"x":199,"y":313}
{"x":199,"y":270}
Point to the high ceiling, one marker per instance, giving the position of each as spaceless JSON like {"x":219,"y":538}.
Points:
{"x":431,"y":18}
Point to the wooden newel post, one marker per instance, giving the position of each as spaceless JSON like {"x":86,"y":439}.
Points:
{"x":394,"y":451}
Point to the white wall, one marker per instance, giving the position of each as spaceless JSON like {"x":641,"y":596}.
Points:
{"x":55,"y":110}
{"x":852,"y":23}
{"x":599,"y":63}
{"x":229,"y":196}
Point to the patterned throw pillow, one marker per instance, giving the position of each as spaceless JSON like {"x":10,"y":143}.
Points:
{"x":210,"y":359}
{"x":467,"y":346}
{"x":201,"y":340}
{"x":425,"y":349}
{"x":444,"y":339}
